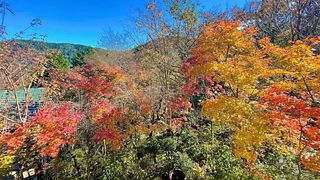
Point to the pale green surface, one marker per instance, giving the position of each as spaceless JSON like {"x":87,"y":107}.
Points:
{"x":37,"y":96}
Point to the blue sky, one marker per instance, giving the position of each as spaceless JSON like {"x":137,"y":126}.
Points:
{"x":80,"y":21}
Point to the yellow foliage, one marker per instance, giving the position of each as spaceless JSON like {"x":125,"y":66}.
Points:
{"x":6,"y":162}
{"x":251,"y":128}
{"x":297,"y":64}
{"x":230,"y":55}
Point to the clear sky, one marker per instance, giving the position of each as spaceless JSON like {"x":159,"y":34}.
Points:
{"x":80,"y":21}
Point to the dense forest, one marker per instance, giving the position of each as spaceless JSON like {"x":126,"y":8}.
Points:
{"x":185,"y":93}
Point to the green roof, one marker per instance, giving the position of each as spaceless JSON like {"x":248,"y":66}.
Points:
{"x":6,"y":96}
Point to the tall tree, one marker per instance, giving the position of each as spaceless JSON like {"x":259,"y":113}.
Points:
{"x":282,"y":20}
{"x":227,"y":54}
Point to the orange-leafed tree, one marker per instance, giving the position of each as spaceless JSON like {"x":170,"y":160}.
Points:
{"x":227,"y":57}
{"x":295,"y":67}
{"x":292,"y":101}
{"x":298,"y":123}
{"x":227,"y":53}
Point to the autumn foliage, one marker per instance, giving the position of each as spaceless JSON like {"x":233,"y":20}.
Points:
{"x":298,"y":122}
{"x":50,"y":129}
{"x":267,"y":95}
{"x":234,"y":100}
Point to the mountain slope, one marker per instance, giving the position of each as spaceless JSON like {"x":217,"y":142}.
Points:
{"x":67,"y":49}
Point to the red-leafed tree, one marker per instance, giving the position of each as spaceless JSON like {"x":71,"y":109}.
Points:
{"x":96,"y":89}
{"x":299,"y":124}
{"x":52,"y":127}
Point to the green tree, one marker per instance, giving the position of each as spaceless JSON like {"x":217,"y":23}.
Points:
{"x":60,"y":62}
{"x":79,"y":58}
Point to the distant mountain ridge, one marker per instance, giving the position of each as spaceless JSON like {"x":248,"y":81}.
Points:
{"x":67,"y":49}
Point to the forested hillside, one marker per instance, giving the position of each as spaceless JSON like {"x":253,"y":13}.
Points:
{"x":232,"y":94}
{"x":68,"y":50}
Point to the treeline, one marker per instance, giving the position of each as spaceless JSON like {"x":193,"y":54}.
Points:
{"x":73,"y":53}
